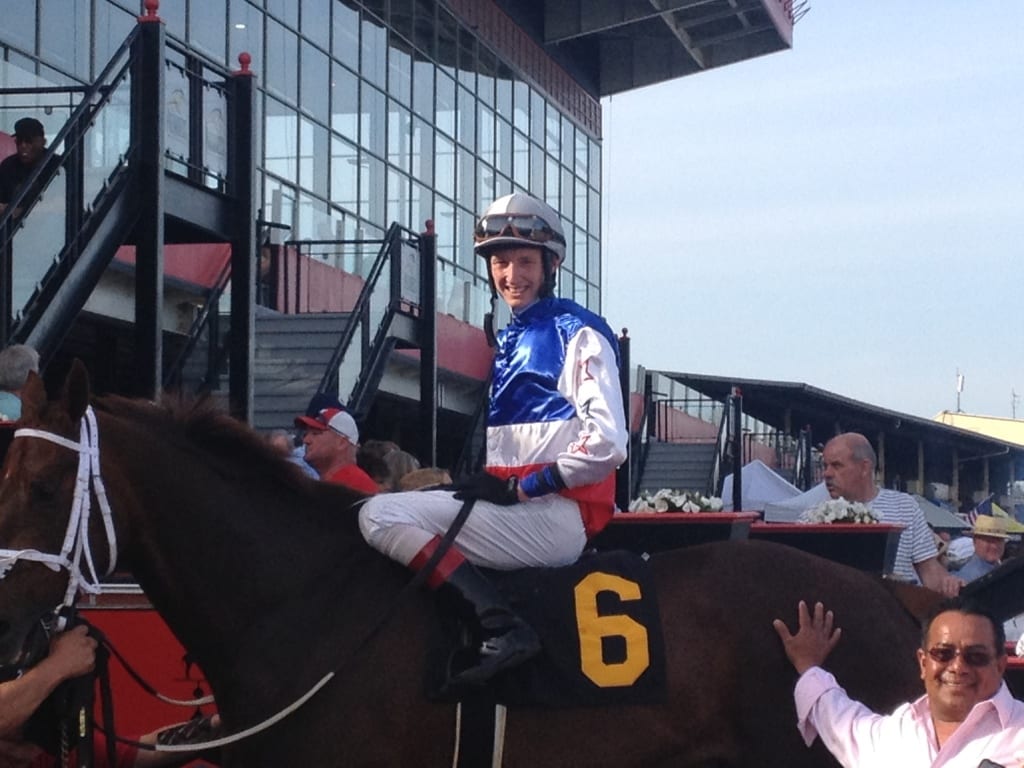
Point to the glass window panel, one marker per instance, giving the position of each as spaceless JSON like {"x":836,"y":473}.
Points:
{"x":486,"y":184}
{"x":467,"y":58}
{"x":503,"y":91}
{"x":568,"y":263}
{"x":552,"y":131}
{"x":521,"y":106}
{"x":315,"y":14}
{"x":422,"y":151}
{"x":281,"y":135}
{"x":315,"y":92}
{"x":173,"y":16}
{"x":537,"y":111}
{"x":579,"y":248}
{"x":502,"y":186}
{"x":593,"y":298}
{"x":399,"y":136}
{"x":593,"y":211}
{"x":282,"y":54}
{"x":285,"y":10}
{"x":595,"y":164}
{"x":245,"y":32}
{"x":373,"y":52}
{"x":445,"y":103}
{"x":580,"y":206}
{"x":63,"y":35}
{"x":279,"y":203}
{"x":345,"y":102}
{"x":467,"y":119}
{"x":313,"y":147}
{"x":423,"y":29}
{"x":314,"y":219}
{"x":398,"y":198}
{"x":581,"y":153}
{"x":503,"y":147}
{"x":400,"y":70}
{"x":536,"y":170}
{"x":345,"y":35}
{"x":422,"y":205}
{"x":568,"y":189}
{"x":521,"y":159}
{"x":344,"y":173}
{"x":552,"y":176}
{"x":423,"y":88}
{"x":568,"y":143}
{"x":593,"y":260}
{"x":206,"y":27}
{"x":465,"y":256}
{"x":112,"y":27}
{"x":372,"y":133}
{"x":579,"y":294}
{"x":485,"y":119}
{"x":444,"y":226}
{"x":377,"y":7}
{"x":444,"y":178}
{"x":447,"y":41}
{"x":372,"y":194}
{"x":466,"y":182}
{"x":19,"y":29}
{"x":487,"y":69}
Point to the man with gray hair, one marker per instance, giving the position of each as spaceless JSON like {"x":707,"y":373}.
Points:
{"x":849,"y":462}
{"x":16,"y":362}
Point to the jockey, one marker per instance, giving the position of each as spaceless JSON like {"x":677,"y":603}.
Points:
{"x":556,"y":432}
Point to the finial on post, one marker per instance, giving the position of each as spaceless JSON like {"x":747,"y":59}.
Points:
{"x":151,"y":7}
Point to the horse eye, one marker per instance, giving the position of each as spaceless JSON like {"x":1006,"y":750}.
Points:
{"x":43,"y":489}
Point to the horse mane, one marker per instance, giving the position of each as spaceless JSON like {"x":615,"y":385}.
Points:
{"x":197,"y":423}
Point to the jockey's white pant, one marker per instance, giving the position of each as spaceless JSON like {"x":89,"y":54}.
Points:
{"x":546,"y":531}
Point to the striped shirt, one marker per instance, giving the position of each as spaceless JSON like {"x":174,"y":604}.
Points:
{"x":916,"y":542}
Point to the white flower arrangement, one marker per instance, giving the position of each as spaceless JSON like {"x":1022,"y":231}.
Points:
{"x":840,"y":511}
{"x":667,"y":500}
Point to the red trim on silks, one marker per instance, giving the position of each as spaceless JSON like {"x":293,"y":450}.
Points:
{"x":449,"y":561}
{"x":597,"y":500}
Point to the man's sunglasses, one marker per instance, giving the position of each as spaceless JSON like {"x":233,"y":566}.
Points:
{"x":532,"y":228}
{"x":973,"y":657}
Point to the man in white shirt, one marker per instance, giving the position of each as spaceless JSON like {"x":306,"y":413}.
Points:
{"x":850,"y":463}
{"x":966,"y":719}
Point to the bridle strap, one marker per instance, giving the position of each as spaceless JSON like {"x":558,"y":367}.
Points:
{"x":76,"y":546}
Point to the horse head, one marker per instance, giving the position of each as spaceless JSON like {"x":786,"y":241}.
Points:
{"x":45,"y":544}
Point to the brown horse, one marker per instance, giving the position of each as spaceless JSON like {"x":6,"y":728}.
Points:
{"x":266,"y":580}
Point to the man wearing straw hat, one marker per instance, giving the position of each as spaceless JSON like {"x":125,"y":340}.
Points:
{"x":990,"y":535}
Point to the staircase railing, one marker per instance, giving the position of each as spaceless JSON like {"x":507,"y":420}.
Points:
{"x":204,"y":333}
{"x":728,"y":450}
{"x":357,"y":358}
{"x":44,"y":229}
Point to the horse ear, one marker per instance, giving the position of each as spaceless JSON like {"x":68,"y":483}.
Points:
{"x":76,"y":390}
{"x":33,"y":395}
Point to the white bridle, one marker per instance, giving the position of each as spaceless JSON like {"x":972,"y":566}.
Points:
{"x":76,"y":538}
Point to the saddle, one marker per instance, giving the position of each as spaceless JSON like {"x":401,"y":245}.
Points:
{"x":601,"y":632}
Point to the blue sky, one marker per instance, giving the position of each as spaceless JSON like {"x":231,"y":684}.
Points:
{"x":849,"y":213}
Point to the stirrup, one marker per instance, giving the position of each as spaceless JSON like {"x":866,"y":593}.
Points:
{"x":497,"y":654}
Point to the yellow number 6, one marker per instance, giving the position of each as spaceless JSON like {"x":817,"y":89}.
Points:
{"x":593,"y":627}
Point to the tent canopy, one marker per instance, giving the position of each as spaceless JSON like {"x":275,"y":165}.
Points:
{"x":761,"y":485}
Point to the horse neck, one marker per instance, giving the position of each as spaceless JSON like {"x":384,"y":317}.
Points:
{"x":220,"y":559}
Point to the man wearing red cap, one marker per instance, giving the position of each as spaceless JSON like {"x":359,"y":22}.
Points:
{"x":331,"y":440}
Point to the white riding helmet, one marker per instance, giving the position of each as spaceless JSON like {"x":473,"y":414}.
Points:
{"x":520,"y":219}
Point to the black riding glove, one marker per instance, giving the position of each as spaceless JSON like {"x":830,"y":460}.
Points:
{"x":486,"y":487}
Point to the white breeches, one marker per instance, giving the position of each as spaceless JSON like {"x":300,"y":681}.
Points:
{"x":547,"y":531}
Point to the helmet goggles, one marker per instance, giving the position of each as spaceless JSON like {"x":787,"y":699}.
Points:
{"x":528,"y":227}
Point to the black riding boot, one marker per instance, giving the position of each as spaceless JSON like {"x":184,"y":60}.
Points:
{"x":507,"y":639}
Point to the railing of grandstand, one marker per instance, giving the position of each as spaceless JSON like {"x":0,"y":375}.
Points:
{"x":207,"y":333}
{"x":54,"y":211}
{"x":803,"y":466}
{"x":64,"y":201}
{"x":720,"y":463}
{"x":195,"y":121}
